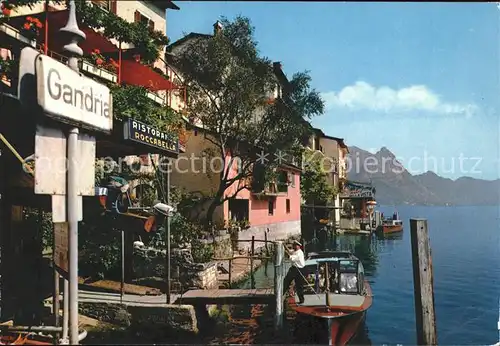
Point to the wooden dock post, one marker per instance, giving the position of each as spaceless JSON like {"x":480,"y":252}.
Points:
{"x":265,"y":240}
{"x":230,"y":272}
{"x":252,"y":277}
{"x":278,"y":284}
{"x":423,"y":282}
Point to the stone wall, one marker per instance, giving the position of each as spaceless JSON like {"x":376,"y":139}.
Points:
{"x":277,"y":231}
{"x":349,"y":224}
{"x":222,"y":244}
{"x":178,"y":318}
{"x":150,"y":263}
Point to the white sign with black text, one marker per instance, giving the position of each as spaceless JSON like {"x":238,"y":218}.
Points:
{"x":71,"y":96}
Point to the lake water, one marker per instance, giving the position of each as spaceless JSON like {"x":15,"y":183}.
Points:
{"x":465,"y":244}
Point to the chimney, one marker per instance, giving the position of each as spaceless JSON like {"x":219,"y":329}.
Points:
{"x":217,"y":27}
{"x":277,"y":65}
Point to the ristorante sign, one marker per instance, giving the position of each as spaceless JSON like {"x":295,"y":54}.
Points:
{"x":353,"y":190}
{"x":145,"y":134}
{"x":72,"y":97}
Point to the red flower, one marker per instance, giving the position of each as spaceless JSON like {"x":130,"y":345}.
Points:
{"x":6,"y":11}
{"x":99,"y":61}
{"x":29,"y":19}
{"x":114,"y":63}
{"x":27,"y":26}
{"x":39,"y":25}
{"x":96,"y":51}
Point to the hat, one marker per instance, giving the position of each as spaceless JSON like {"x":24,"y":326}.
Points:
{"x":296,"y":242}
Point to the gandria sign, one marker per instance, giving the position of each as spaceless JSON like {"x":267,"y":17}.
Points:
{"x":72,"y":97}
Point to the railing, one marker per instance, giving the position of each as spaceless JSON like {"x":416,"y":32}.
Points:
{"x":252,"y":256}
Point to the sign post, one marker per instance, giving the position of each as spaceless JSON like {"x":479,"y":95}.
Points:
{"x":68,"y":97}
{"x":75,"y":34}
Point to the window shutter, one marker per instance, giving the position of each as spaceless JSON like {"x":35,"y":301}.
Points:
{"x":151,"y":25}
{"x":137,"y":16}
{"x":113,"y":6}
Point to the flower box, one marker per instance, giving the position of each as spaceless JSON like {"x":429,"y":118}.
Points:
{"x":99,"y":72}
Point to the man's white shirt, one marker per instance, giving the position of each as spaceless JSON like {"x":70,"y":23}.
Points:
{"x":298,"y":258}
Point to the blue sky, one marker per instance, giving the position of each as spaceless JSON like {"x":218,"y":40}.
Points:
{"x":421,"y":79}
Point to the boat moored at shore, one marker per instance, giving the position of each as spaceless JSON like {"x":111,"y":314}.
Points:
{"x":335,"y":301}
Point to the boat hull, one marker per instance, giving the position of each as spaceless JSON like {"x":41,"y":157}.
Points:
{"x":336,"y":325}
{"x":392,"y":229}
{"x":338,"y":331}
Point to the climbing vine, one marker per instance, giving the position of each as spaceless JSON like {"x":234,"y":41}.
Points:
{"x":132,"y":101}
{"x":148,"y":42}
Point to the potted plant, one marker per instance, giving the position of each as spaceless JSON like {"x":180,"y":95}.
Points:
{"x":112,"y":66}
{"x":234,"y":230}
{"x":31,"y":28}
{"x":5,"y":69}
{"x":96,"y":58}
{"x":245,"y":224}
{"x":6,"y":9}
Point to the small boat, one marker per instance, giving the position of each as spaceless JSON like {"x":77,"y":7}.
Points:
{"x":392,"y":226}
{"x":335,"y":300}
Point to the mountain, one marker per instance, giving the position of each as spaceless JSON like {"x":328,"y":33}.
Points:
{"x":395,"y":185}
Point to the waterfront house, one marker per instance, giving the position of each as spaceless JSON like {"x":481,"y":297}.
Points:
{"x":272,"y":207}
{"x":332,"y":151}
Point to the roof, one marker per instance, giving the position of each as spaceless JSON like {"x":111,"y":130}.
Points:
{"x":340,"y":141}
{"x":185,"y":39}
{"x":165,"y":4}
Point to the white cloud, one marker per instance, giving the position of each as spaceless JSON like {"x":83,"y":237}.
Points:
{"x":363,"y":96}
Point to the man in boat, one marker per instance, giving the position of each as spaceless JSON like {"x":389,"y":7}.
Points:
{"x":295,"y":272}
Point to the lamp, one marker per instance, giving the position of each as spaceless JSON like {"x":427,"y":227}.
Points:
{"x":163,"y":209}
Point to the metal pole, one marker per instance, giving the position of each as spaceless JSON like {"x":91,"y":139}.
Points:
{"x":122,"y":286}
{"x":252,"y":278}
{"x":278,"y":284}
{"x":74,"y":35}
{"x":167,"y":226}
{"x":65,"y":309}
{"x":55,"y":298}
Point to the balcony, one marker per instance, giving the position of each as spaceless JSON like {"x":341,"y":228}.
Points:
{"x":127,"y":70}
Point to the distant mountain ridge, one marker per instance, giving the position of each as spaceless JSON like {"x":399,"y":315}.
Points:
{"x":395,"y":185}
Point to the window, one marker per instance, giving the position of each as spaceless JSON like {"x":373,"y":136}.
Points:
{"x":288,"y":206}
{"x":291,"y":179}
{"x":316,"y":143}
{"x":140,"y":18}
{"x":270,"y":207}
{"x":108,"y":5}
{"x":282,"y":182}
{"x":239,"y":209}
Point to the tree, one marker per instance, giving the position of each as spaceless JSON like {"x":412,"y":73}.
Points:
{"x":314,"y":185}
{"x":229,"y":94}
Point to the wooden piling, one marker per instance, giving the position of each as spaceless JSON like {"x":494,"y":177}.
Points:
{"x":265,"y":239}
{"x":230,"y":272}
{"x":252,"y":277}
{"x":423,"y":282}
{"x":278,"y":284}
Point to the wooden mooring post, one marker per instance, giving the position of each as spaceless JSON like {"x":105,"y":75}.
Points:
{"x":252,"y":277}
{"x":230,"y":279}
{"x":278,"y":284}
{"x":423,"y":282}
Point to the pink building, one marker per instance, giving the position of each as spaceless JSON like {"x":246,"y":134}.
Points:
{"x":272,"y":207}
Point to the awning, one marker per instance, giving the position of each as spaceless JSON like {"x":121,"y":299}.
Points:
{"x":135,"y":73}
